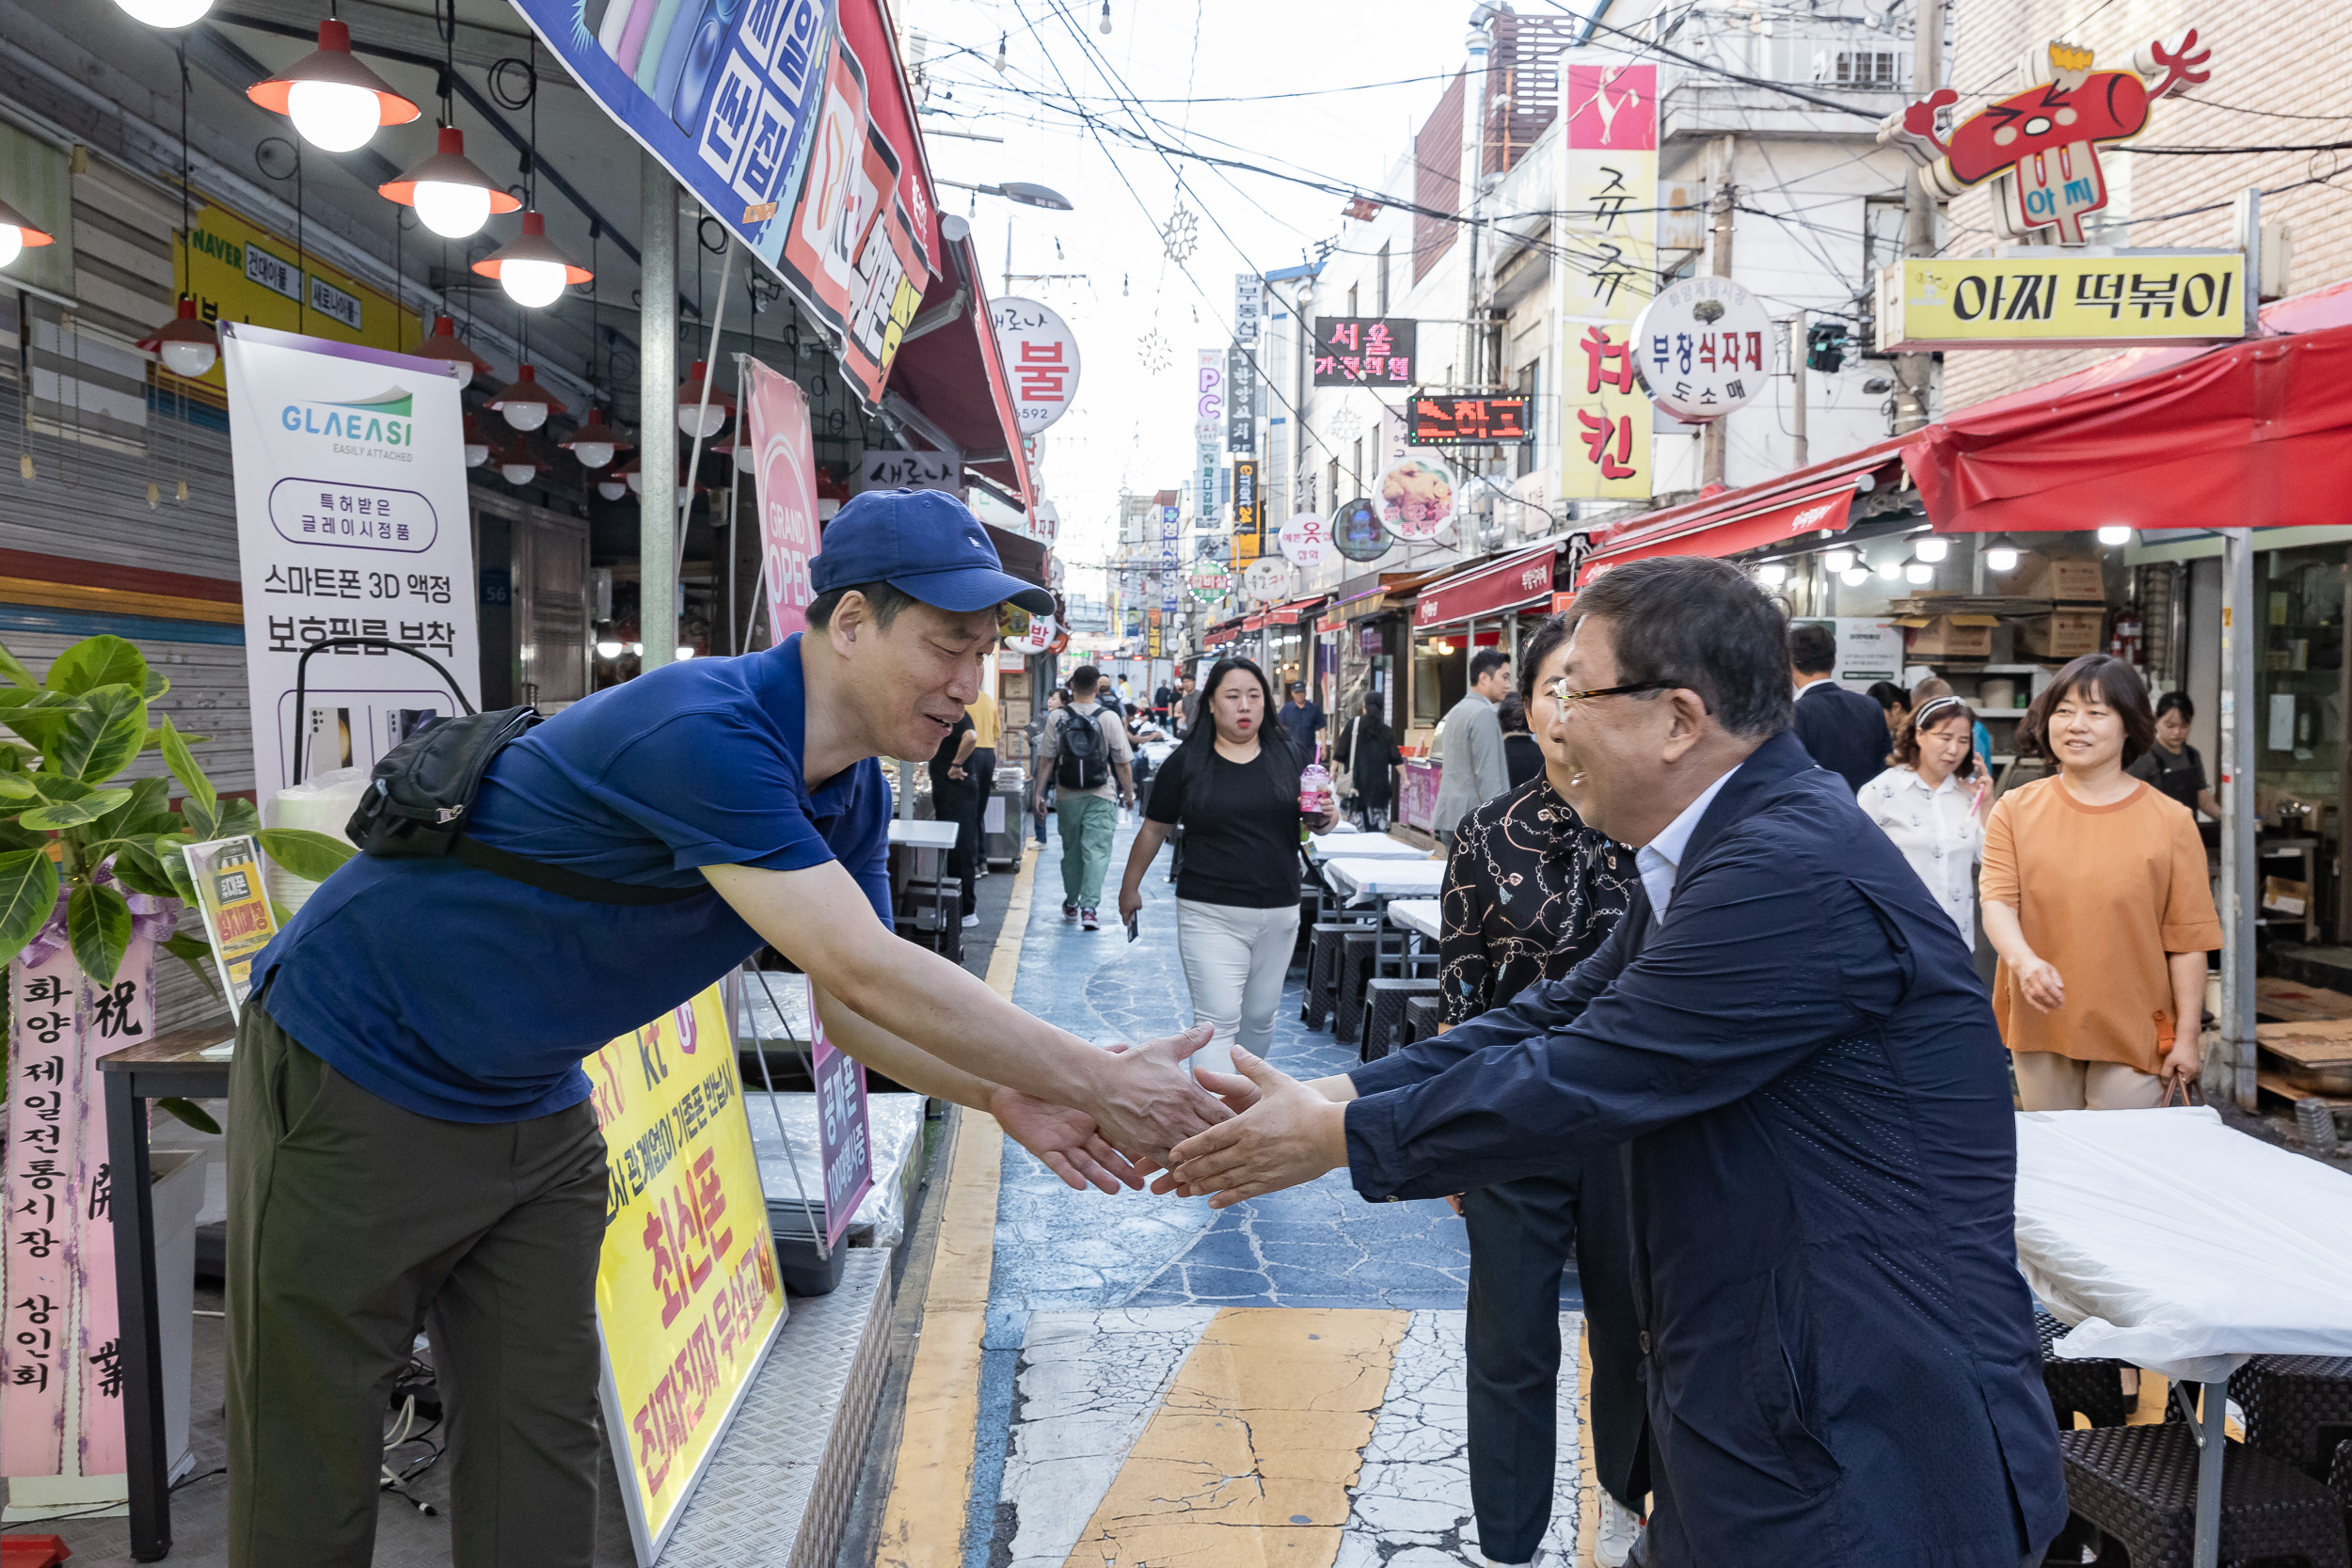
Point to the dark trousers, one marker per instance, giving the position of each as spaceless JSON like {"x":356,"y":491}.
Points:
{"x":983,"y":770}
{"x":1520,"y":1235}
{"x":955,"y":800}
{"x":351,"y":1223}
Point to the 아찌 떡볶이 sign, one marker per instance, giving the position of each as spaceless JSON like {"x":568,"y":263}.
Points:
{"x":2042,"y":144}
{"x":1040,"y":356}
{"x":2061,"y":301}
{"x":1702,"y":347}
{"x":688,"y":1296}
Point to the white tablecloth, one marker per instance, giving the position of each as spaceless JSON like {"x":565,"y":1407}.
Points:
{"x":1361,"y":881}
{"x":2178,"y":1245}
{"x":1326,"y":847}
{"x":1417,"y":915}
{"x":922,"y":834}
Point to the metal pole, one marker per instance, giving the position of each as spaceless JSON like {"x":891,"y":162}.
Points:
{"x":1916,"y":371}
{"x":702,"y":409}
{"x":656,"y":418}
{"x":1803,"y":446}
{"x":1712,"y":440}
{"x":2238,"y":634}
{"x":2213,"y":1414}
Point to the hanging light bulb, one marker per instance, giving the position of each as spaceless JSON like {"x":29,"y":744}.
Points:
{"x":1854,"y":576}
{"x":188,"y":344}
{"x":1918,"y":572}
{"x":1837,"y":559}
{"x":634,"y":479}
{"x":451,"y":194}
{"x":529,"y":267}
{"x":525,"y":404}
{"x":607,"y":648}
{"x":1890,"y":570}
{"x":695,"y":416}
{"x":516,"y":463}
{"x":334,"y":100}
{"x":1104,"y":25}
{"x":443,"y":343}
{"x":685,"y":652}
{"x":2001,"y":554}
{"x":17,"y":233}
{"x":1771,"y":574}
{"x":1000,"y":53}
{"x":594,"y":442}
{"x":1928,"y":546}
{"x":612,"y":487}
{"x":477,"y":444}
{"x":746,"y":456}
{"x":165,"y":13}
{"x":2115,"y":533}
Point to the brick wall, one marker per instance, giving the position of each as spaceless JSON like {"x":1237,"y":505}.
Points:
{"x":2283,"y":57}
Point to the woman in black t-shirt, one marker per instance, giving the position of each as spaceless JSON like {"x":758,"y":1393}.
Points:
{"x":1233,"y":784}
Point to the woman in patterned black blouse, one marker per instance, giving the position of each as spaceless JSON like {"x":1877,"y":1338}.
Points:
{"x":1530,"y":893}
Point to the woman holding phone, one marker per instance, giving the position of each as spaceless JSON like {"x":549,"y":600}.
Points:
{"x":1932,"y":804}
{"x":1233,"y":785}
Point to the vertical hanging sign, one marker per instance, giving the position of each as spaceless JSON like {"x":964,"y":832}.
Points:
{"x":842,"y":1133}
{"x":1609,"y":197}
{"x":351,"y":521}
{"x":784,"y":476}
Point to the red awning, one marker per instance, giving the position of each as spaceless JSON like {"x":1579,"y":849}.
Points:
{"x":1292,"y":613}
{"x":1488,"y":590}
{"x":954,"y":377}
{"x":1808,"y":500}
{"x":2257,"y":435}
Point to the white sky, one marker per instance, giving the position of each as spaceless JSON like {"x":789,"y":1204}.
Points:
{"x":1128,"y":426}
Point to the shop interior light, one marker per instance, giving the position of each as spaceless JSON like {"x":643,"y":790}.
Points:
{"x":695,"y":416}
{"x":451,"y":194}
{"x":1891,"y":571}
{"x":477,"y":444}
{"x":594,"y":442}
{"x":19,"y":232}
{"x":1918,"y":572}
{"x":525,"y":404}
{"x":2001,"y":554}
{"x":1839,"y":559}
{"x":634,"y":478}
{"x":637,"y":648}
{"x":529,"y":267}
{"x":746,"y":455}
{"x":188,"y":344}
{"x":442,"y":342}
{"x":334,"y":100}
{"x":167,"y":13}
{"x":1928,"y":547}
{"x":609,"y":649}
{"x":1854,"y":576}
{"x":1771,"y":574}
{"x":684,"y":652}
{"x":2115,"y":533}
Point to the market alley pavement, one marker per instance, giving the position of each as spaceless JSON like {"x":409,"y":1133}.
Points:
{"x":1156,"y":1377}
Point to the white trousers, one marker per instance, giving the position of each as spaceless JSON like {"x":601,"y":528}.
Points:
{"x":1235,"y":960}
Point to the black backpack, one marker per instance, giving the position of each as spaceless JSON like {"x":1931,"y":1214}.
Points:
{"x":422,"y":792}
{"x":1080,"y":755}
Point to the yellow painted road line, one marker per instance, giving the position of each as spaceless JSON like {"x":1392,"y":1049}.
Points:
{"x":922,"y":1525}
{"x":1588,"y":1473}
{"x":1248,"y":1459}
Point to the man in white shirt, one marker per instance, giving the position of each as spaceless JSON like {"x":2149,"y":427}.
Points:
{"x":1469,"y":744}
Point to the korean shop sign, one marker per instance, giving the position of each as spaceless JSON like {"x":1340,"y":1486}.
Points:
{"x":1040,"y":356}
{"x":2061,"y":301}
{"x":1445,"y":422}
{"x":240,"y":273}
{"x":1608,"y":226}
{"x":2040,"y":146}
{"x":1240,"y":399}
{"x":1702,"y":347}
{"x":1365,"y":351}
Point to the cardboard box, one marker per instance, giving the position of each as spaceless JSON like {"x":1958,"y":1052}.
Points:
{"x":2062,"y":634}
{"x":1949,"y":636}
{"x":2281,"y":896}
{"x":2067,"y":579}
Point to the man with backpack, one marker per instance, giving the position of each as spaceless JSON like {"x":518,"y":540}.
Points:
{"x":411,"y":1138}
{"x":1084,"y":749}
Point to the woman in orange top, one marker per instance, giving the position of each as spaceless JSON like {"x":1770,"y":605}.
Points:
{"x":2096,"y":900}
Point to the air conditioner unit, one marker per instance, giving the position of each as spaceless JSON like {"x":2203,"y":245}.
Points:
{"x":1882,"y":68}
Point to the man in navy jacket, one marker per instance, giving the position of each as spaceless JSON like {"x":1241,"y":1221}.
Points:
{"x":1793,"y":1046}
{"x":1842,"y":730}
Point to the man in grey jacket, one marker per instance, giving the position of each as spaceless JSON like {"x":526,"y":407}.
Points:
{"x":1469,"y":744}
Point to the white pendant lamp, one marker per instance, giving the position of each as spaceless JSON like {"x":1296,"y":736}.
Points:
{"x":451,"y":194}
{"x":477,"y":444}
{"x":19,"y":233}
{"x":443,"y":343}
{"x":165,"y":13}
{"x":594,"y":442}
{"x":187,"y":344}
{"x":529,"y":267}
{"x":525,"y":404}
{"x":695,"y":416}
{"x":334,"y":100}
{"x":516,"y":464}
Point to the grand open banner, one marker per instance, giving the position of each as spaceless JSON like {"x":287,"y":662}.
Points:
{"x":352,"y":522}
{"x":784,"y":477}
{"x":688,"y":1297}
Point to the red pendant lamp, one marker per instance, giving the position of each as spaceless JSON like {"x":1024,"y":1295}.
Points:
{"x":442,"y":342}
{"x":525,"y":404}
{"x":334,"y":100}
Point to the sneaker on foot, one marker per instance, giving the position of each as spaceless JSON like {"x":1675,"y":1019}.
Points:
{"x":970,"y":921}
{"x":1068,"y":913}
{"x":1612,"y":1542}
{"x":1087,"y":921}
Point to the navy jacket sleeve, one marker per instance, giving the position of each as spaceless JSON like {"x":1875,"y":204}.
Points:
{"x":1706,"y":1012}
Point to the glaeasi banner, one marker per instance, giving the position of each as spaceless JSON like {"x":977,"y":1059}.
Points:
{"x":351,"y":521}
{"x":688,"y":1297}
{"x":722,"y":91}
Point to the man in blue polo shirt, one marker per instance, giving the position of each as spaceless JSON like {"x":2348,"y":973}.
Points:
{"x":410,"y":1137}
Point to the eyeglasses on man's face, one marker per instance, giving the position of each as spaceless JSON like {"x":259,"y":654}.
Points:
{"x":1557,"y":689}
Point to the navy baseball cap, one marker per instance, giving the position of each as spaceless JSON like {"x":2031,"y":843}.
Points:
{"x":924,"y":543}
